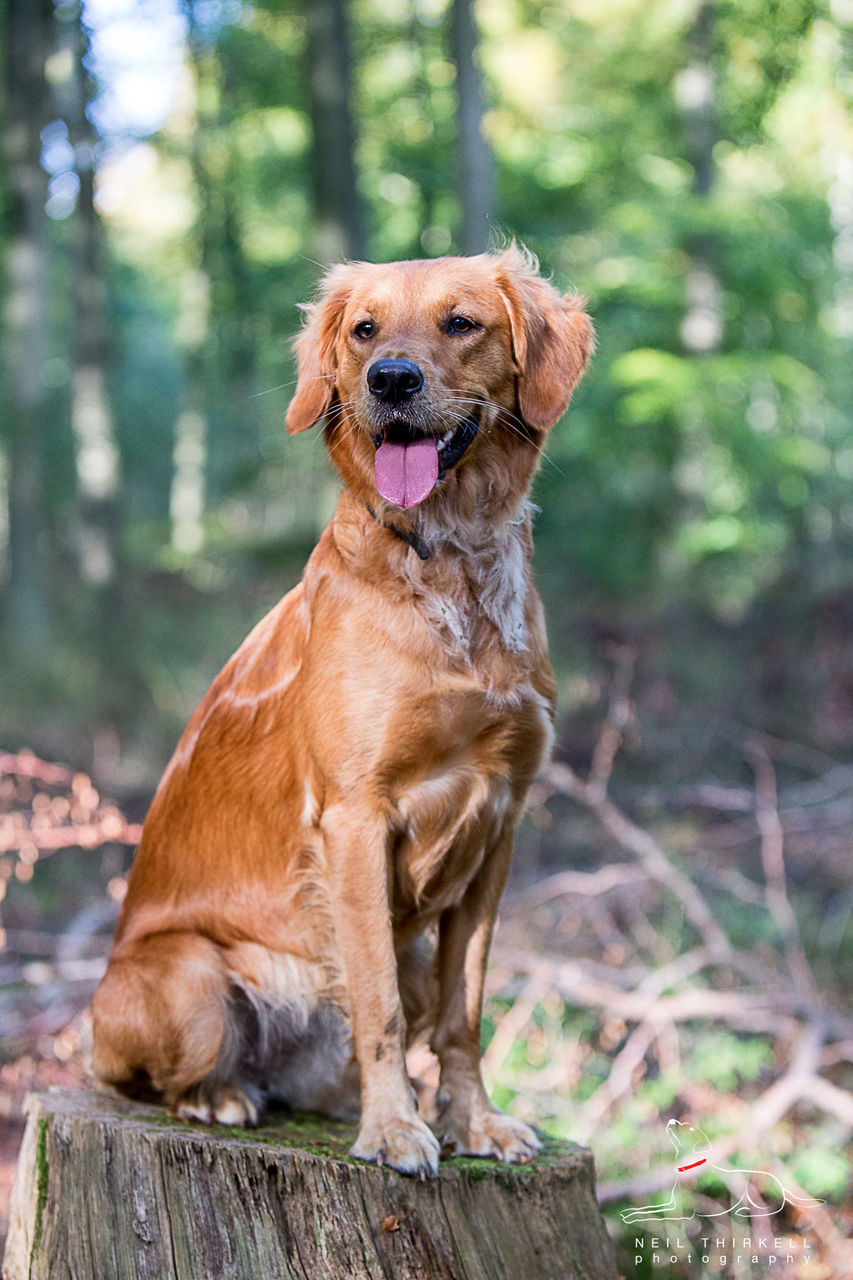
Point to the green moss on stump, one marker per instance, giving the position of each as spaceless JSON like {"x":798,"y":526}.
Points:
{"x":332,"y":1139}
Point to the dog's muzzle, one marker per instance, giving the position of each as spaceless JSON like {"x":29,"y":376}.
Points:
{"x":410,"y":463}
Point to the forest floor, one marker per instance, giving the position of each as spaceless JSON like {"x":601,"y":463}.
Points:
{"x":680,"y":951}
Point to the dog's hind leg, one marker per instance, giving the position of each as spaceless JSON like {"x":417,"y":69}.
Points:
{"x":160,"y":1021}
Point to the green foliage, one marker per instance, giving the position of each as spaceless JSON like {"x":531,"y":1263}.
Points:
{"x":821,"y":1167}
{"x":727,"y":1061}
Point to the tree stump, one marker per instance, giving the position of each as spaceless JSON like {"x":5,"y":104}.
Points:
{"x":114,"y":1190}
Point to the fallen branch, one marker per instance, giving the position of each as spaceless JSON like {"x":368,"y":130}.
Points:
{"x":649,"y":852}
{"x":773,"y":864}
{"x":585,"y":883}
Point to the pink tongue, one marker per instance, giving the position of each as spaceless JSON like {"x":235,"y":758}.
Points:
{"x":406,"y":473}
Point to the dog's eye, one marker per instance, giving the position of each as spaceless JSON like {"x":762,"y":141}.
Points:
{"x":364,"y":330}
{"x":460,"y":324}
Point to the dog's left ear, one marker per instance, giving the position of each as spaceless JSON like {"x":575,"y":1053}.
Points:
{"x":552,"y":339}
{"x":316,"y":355}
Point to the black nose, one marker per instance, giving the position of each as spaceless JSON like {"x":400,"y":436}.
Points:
{"x":394,"y":381}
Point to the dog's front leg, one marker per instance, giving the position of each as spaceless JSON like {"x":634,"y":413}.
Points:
{"x":468,"y":1120}
{"x":391,"y":1131}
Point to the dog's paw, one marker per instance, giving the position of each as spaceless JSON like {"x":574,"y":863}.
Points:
{"x":216,"y":1104}
{"x":402,"y":1142}
{"x":488,"y":1133}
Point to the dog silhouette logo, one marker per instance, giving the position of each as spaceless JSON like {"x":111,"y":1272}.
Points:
{"x":692,"y":1158}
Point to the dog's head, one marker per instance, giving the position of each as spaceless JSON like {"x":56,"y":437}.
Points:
{"x":431,"y":371}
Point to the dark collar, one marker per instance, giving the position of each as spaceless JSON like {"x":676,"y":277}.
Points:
{"x":405,"y":535}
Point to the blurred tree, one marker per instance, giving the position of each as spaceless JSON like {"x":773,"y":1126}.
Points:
{"x":474,"y":177}
{"x":339,"y":226}
{"x":192,"y":329}
{"x":701,"y":329}
{"x":29,"y":44}
{"x":96,"y":450}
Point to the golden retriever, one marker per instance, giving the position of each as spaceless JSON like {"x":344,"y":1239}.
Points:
{"x":320,"y":869}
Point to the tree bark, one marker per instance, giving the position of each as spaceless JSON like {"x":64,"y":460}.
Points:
{"x":475,"y":173}
{"x":118,"y":1190}
{"x":29,"y":35}
{"x":339,"y":229}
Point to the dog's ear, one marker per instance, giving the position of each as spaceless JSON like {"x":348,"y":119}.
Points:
{"x":316,"y":356}
{"x":552,"y":338}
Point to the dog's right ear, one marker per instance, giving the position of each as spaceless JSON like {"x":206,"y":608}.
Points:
{"x":316,"y":355}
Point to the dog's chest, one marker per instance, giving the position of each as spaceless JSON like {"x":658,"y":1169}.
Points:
{"x":450,"y":813}
{"x":474,"y":595}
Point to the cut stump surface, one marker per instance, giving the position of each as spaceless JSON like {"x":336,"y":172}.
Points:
{"x":114,"y":1190}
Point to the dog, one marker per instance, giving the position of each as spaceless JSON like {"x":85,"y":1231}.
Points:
{"x":690,"y":1142}
{"x":319,"y":873}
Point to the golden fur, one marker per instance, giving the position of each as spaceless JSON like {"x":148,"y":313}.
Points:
{"x":321,"y":866}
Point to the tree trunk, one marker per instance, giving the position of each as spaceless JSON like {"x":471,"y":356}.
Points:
{"x":339,"y":229}
{"x":475,"y":176}
{"x":838,"y":161}
{"x":29,"y":35}
{"x":702,"y":327}
{"x":193,"y":331}
{"x":95,"y":445}
{"x":118,"y":1190}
